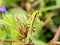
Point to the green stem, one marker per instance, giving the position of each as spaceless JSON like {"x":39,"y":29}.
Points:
{"x":50,"y":8}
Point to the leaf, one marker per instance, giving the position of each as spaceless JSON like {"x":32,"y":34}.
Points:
{"x":7,"y":30}
{"x":7,"y":21}
{"x":20,"y":12}
{"x":10,"y":1}
{"x":11,"y":24}
{"x":38,"y":42}
{"x":17,"y":11}
{"x":14,"y":34}
{"x":57,"y":20}
{"x":2,"y":35}
{"x":10,"y":19}
{"x":50,"y":8}
{"x":58,"y":2}
{"x":11,"y":27}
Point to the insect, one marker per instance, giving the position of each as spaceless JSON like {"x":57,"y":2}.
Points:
{"x":30,"y":26}
{"x":30,"y":22}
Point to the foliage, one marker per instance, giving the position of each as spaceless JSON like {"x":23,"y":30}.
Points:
{"x":29,"y":22}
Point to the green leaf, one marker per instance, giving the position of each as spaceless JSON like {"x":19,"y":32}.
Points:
{"x":14,"y":34}
{"x":38,"y":42}
{"x":57,"y":20}
{"x":58,"y":2}
{"x":17,"y":11}
{"x":20,"y":12}
{"x":11,"y":0}
{"x":50,"y":8}
{"x":10,"y":19}
{"x":2,"y":35}
{"x":11,"y":27}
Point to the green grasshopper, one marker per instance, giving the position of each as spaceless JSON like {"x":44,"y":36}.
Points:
{"x":30,"y":23}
